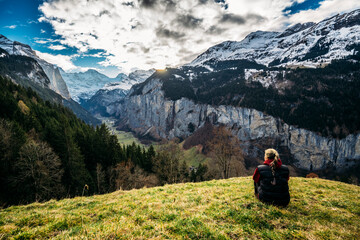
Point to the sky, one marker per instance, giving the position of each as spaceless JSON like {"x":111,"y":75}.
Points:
{"x":114,"y":36}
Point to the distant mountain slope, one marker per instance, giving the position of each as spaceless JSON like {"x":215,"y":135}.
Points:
{"x":57,"y":83}
{"x":84,"y":85}
{"x":306,"y":44}
{"x":26,"y":69}
{"x":222,"y":209}
{"x":106,"y":99}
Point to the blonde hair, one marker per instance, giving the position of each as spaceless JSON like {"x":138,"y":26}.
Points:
{"x":272,"y":154}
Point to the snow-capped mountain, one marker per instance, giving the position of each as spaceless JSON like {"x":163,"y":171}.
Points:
{"x":105,"y":100}
{"x":127,"y":82}
{"x":57,"y":83}
{"x":308,"y":44}
{"x":84,"y":85}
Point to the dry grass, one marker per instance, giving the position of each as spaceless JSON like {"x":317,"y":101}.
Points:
{"x":223,"y":209}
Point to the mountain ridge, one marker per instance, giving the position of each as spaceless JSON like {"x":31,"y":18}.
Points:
{"x":57,"y":83}
{"x":24,"y":67}
{"x":290,"y":49}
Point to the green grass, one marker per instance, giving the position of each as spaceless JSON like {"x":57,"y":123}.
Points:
{"x":192,"y":157}
{"x":222,"y":209}
{"x":126,"y":138}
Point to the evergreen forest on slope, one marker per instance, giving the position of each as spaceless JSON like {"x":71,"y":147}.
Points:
{"x":47,"y":152}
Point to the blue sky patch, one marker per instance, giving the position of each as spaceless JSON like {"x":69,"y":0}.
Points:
{"x":306,"y":5}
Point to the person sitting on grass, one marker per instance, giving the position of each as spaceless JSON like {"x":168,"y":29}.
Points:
{"x":271,"y":180}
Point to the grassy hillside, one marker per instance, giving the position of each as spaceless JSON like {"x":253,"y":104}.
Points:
{"x":223,"y":209}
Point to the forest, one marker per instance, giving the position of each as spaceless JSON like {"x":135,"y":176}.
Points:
{"x":46,"y":152}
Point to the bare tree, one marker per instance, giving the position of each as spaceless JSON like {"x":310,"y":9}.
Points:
{"x":226,"y":152}
{"x":100,"y":178}
{"x":125,"y":176}
{"x":38,"y":171}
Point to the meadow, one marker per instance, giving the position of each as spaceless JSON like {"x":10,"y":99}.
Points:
{"x":218,"y":209}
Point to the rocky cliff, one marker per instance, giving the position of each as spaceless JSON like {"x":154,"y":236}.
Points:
{"x":150,"y":113}
{"x":57,"y":83}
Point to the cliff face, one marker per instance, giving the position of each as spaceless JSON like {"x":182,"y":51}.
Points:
{"x":150,"y":113}
{"x":57,"y":83}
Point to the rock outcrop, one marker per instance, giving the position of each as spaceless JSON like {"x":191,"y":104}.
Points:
{"x":57,"y":83}
{"x":150,"y":113}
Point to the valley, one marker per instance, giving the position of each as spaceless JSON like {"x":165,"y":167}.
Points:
{"x":124,"y":138}
{"x":147,"y":119}
{"x":295,"y":90}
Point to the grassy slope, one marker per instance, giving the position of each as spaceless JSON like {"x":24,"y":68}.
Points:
{"x":192,"y":157}
{"x":223,"y":209}
{"x":126,"y":138}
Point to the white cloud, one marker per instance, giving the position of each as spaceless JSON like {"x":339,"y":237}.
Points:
{"x":41,"y":41}
{"x":160,"y":33}
{"x":11,"y":26}
{"x":56,"y":47}
{"x":42,"y":31}
{"x":63,"y":61}
{"x":327,"y":9}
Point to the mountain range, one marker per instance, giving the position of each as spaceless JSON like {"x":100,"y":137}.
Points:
{"x":22,"y":64}
{"x":309,"y":44}
{"x":84,"y":85}
{"x":295,"y":90}
{"x":105,"y":99}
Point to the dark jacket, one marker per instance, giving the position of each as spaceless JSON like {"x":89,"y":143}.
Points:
{"x":270,"y":191}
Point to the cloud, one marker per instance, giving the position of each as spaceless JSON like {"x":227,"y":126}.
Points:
{"x":46,"y":40}
{"x":166,"y":33}
{"x":188,"y":21}
{"x":11,"y":26}
{"x":232,"y":18}
{"x":63,"y":61}
{"x":42,"y":31}
{"x":56,"y":47}
{"x":154,"y":33}
{"x":41,"y":41}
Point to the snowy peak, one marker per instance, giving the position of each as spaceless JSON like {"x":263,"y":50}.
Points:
{"x":307,"y":44}
{"x":16,"y":48}
{"x":84,"y":85}
{"x":127,"y":82}
{"x":342,"y":20}
{"x":121,"y":76}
